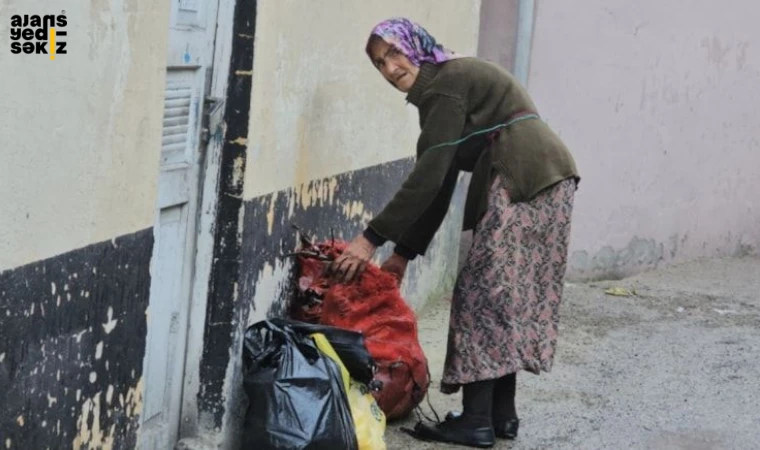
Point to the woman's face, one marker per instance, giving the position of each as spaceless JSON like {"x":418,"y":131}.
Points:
{"x":393,"y":64}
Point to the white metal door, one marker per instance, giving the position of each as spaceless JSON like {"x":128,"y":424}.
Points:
{"x":191,"y":46}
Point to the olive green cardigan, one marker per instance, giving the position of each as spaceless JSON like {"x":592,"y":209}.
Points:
{"x":456,"y":99}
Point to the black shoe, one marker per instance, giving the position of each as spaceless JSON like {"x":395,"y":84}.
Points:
{"x":508,"y":429}
{"x":502,"y":430}
{"x":451,"y":432}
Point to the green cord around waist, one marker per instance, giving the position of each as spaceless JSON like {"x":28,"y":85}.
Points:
{"x":486,"y":131}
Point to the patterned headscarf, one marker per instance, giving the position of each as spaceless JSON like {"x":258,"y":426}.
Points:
{"x":413,"y":41}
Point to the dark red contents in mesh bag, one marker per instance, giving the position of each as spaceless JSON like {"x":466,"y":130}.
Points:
{"x":373,"y":306}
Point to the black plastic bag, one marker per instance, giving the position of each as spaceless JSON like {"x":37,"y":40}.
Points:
{"x":295,"y":393}
{"x":348,"y":344}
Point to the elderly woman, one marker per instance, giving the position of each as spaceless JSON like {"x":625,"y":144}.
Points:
{"x":505,"y":307}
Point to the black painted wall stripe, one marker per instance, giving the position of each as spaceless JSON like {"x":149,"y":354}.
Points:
{"x":226,"y":261}
{"x":72,"y":342}
{"x":372,"y":187}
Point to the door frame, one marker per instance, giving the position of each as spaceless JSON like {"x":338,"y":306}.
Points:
{"x":207,"y":219}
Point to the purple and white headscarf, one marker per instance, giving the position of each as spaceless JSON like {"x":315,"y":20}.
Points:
{"x":413,"y":41}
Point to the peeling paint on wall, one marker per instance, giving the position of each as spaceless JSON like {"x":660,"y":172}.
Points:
{"x":342,"y":204}
{"x":73,"y":340}
{"x":224,"y":281}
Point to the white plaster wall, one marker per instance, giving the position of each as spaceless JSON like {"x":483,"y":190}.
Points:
{"x":80,"y":136}
{"x":319,"y":108}
{"x":658,"y":101}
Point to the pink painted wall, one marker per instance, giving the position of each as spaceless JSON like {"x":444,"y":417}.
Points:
{"x":660,"y":103}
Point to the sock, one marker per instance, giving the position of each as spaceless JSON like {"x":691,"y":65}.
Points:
{"x":504,"y":392}
{"x":477,"y":400}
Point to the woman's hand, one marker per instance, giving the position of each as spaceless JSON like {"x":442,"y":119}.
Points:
{"x":352,"y":262}
{"x":396,"y":265}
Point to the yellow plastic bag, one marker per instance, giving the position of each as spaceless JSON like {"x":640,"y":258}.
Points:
{"x":369,"y":419}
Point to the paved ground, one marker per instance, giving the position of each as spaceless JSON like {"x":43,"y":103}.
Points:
{"x":675,"y":367}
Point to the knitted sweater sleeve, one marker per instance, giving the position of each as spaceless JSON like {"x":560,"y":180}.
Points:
{"x":419,"y":206}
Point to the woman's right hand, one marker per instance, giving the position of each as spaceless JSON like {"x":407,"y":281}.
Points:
{"x":396,"y":265}
{"x":352,"y":262}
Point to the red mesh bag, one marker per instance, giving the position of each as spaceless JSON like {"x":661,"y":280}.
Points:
{"x":373,"y":306}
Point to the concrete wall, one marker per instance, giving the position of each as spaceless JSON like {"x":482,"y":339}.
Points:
{"x":658,"y":101}
{"x":78,"y":168}
{"x":78,"y":132}
{"x":328,"y":143}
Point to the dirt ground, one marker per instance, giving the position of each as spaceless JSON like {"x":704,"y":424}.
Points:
{"x":675,"y":366}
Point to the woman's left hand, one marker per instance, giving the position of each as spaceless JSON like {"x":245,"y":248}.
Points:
{"x":352,"y":262}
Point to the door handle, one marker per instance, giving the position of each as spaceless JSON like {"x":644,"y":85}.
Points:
{"x":213,"y":113}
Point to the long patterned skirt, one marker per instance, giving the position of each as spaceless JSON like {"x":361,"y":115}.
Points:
{"x":505,"y":307}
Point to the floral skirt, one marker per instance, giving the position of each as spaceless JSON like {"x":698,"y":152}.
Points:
{"x":505,"y":307}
